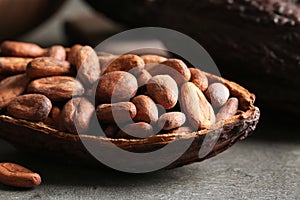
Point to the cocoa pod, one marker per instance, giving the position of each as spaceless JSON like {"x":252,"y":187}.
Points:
{"x":72,"y":53}
{"x":175,"y":68}
{"x":11,"y":87}
{"x":228,"y":110}
{"x":199,"y":79}
{"x":197,"y":109}
{"x":218,"y":94}
{"x":116,"y":86}
{"x":58,"y":52}
{"x":136,"y":130}
{"x":171,"y":120}
{"x":77,"y":114}
{"x":47,"y":66}
{"x":13,"y":65}
{"x":125,"y":63}
{"x":21,"y":49}
{"x":163,"y":90}
{"x":87,"y":65}
{"x":146,"y":109}
{"x":32,"y":107}
{"x":153,"y":59}
{"x":117,"y":112}
{"x":56,"y":88}
{"x":17,"y":176}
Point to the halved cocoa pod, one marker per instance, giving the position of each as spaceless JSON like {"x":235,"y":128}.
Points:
{"x":38,"y":137}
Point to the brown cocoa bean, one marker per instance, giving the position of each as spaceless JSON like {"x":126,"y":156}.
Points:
{"x":116,"y":87}
{"x":163,"y":90}
{"x":46,"y":66}
{"x":77,"y":114}
{"x":56,"y":88}
{"x":136,"y":130}
{"x":13,"y":65}
{"x":32,"y":107}
{"x":175,"y":68}
{"x":171,"y":120}
{"x":218,"y":94}
{"x":197,"y":109}
{"x":72,"y":53}
{"x":11,"y":87}
{"x":199,"y":79}
{"x":87,"y":65}
{"x":58,"y":52}
{"x":117,"y":112}
{"x":111,"y":130}
{"x":106,"y":59}
{"x":17,"y":176}
{"x":125,"y":63}
{"x":153,"y":59}
{"x":228,"y":110}
{"x":21,"y":49}
{"x":146,"y":109}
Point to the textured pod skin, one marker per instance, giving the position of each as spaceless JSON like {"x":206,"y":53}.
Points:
{"x":17,"y":176}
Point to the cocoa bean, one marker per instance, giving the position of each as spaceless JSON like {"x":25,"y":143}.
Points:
{"x":146,"y":109}
{"x":58,"y":52}
{"x":136,"y":130}
{"x":171,"y":120}
{"x":199,"y":79}
{"x":72,"y":53}
{"x":13,"y":65}
{"x":228,"y":110}
{"x":21,"y":49}
{"x":125,"y":63}
{"x":153,"y":59}
{"x":218,"y":94}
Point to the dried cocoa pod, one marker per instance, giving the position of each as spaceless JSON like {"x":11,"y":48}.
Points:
{"x":56,"y":88}
{"x":175,"y":68}
{"x":136,"y":130}
{"x":58,"y":52}
{"x":146,"y":109}
{"x":197,"y":109}
{"x":73,"y":52}
{"x":21,"y":49}
{"x":87,"y":65}
{"x":111,"y":131}
{"x":11,"y":87}
{"x":228,"y":110}
{"x":171,"y":120}
{"x":153,"y":59}
{"x":117,"y":112}
{"x":47,"y":66}
{"x":125,"y":63}
{"x":32,"y":107}
{"x":199,"y":79}
{"x":13,"y":65}
{"x":163,"y":90}
{"x":116,"y":86}
{"x":76,"y":115}
{"x":17,"y":176}
{"x":218,"y":94}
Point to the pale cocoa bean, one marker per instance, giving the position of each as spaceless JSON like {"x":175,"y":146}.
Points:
{"x":163,"y":90}
{"x":13,"y":65}
{"x":228,"y":110}
{"x":218,"y":94}
{"x":46,"y":66}
{"x":17,"y":176}
{"x":183,"y":130}
{"x":56,"y":88}
{"x":87,"y":65}
{"x":171,"y":120}
{"x":136,"y":130}
{"x":11,"y":87}
{"x":199,"y":79}
{"x":146,"y":109}
{"x":111,"y":130}
{"x":197,"y":109}
{"x":72,"y":53}
{"x":58,"y":52}
{"x":116,"y":87}
{"x":125,"y":63}
{"x":32,"y":107}
{"x":21,"y":49}
{"x":152,"y":59}
{"x":77,"y":114}
{"x":175,"y":68}
{"x":117,"y":112}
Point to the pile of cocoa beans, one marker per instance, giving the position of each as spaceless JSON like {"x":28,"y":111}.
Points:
{"x":133,"y":96}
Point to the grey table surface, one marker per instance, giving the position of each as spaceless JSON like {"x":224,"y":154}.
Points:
{"x":264,"y":166}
